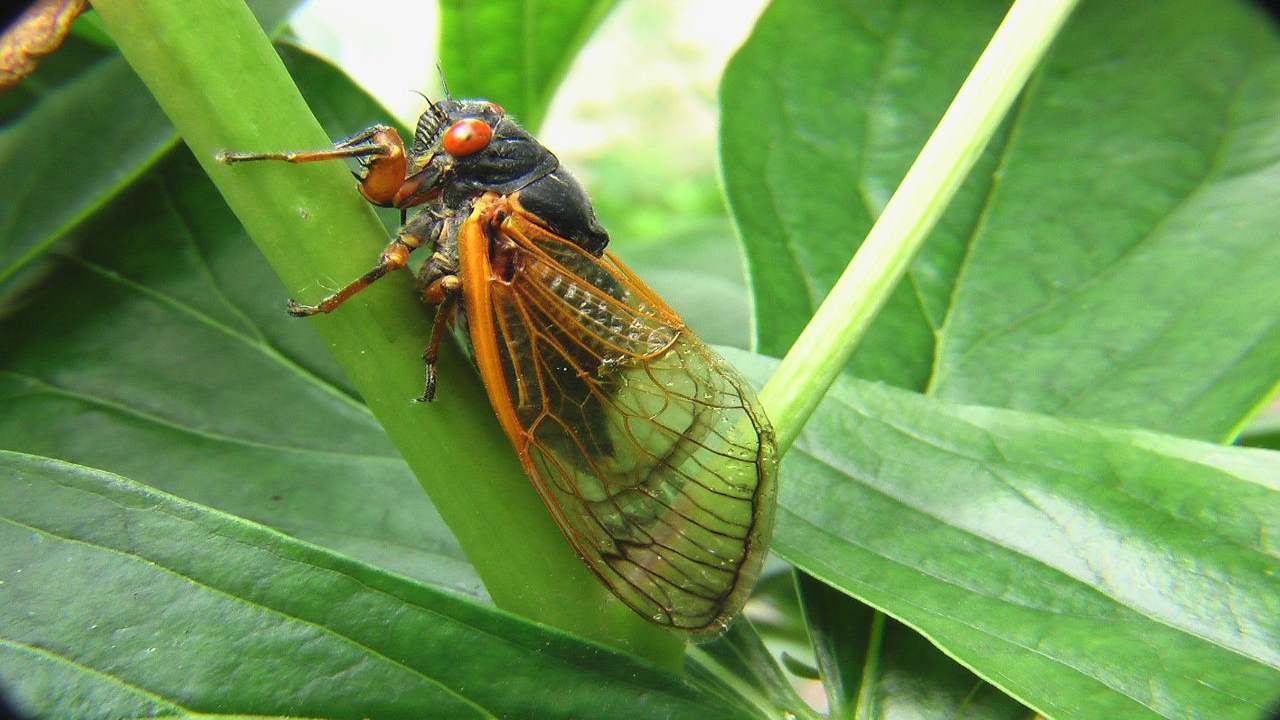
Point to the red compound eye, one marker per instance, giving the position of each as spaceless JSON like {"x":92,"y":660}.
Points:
{"x":496,"y":108}
{"x":467,"y":136}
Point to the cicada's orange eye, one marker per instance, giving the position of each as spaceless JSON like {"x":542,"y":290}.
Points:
{"x":495,"y":107}
{"x":467,"y":136}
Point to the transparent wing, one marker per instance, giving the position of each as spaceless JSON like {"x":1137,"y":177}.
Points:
{"x":649,"y":450}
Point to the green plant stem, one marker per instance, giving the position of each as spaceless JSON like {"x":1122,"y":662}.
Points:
{"x":865,"y":703}
{"x":827,"y":342}
{"x":217,"y":77}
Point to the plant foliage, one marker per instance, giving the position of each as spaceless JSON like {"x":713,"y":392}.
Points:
{"x":1016,"y":502}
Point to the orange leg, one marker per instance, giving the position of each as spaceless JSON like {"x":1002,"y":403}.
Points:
{"x":443,"y":292}
{"x":394,"y":257}
{"x":380,"y":152}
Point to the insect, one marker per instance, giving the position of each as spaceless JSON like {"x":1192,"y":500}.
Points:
{"x":651,"y":453}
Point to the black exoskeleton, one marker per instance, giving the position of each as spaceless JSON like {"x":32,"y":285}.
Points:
{"x":461,"y":150}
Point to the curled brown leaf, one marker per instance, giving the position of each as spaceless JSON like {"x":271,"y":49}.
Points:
{"x":36,"y":33}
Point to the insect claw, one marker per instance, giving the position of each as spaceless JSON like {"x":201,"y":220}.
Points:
{"x":297,"y":310}
{"x":429,"y":392}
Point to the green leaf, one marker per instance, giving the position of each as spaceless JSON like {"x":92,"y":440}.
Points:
{"x":514,"y":52}
{"x":236,"y":618}
{"x":113,"y":129}
{"x":846,"y":641}
{"x":1089,"y":571}
{"x":94,"y":110}
{"x":916,"y":680}
{"x":817,"y":128}
{"x":1080,"y":271}
{"x":879,"y":669}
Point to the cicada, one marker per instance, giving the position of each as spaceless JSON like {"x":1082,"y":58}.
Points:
{"x":651,"y":453}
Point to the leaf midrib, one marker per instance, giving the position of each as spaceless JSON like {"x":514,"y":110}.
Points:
{"x":263,"y":348}
{"x":163,"y":503}
{"x":832,"y":578}
{"x":326,"y":630}
{"x":833,"y":466}
{"x":77,"y":666}
{"x":47,"y":387}
{"x":100,"y":201}
{"x":1213,"y":168}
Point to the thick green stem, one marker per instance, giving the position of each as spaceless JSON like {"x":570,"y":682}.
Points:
{"x":823,"y":349}
{"x":217,"y":77}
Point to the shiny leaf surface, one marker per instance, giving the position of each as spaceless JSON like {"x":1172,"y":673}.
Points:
{"x":1080,"y":271}
{"x":1089,"y":571}
{"x":210,"y":636}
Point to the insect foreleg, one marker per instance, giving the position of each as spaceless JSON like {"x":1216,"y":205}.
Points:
{"x":425,"y":229}
{"x":364,"y":143}
{"x":380,"y":152}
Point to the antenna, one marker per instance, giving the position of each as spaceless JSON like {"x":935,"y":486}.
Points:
{"x":444,"y":83}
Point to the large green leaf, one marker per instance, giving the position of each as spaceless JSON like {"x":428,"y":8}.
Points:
{"x":514,"y":52}
{"x":107,"y":121}
{"x":1084,"y":267}
{"x":120,"y":601}
{"x":96,"y":112}
{"x":822,"y":110}
{"x":179,"y":369}
{"x":1090,"y":571}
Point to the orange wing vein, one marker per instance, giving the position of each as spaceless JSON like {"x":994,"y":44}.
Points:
{"x":651,"y":453}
